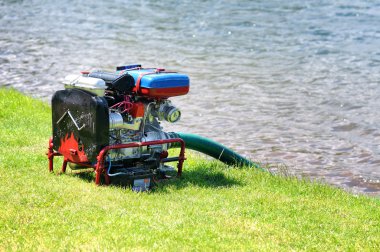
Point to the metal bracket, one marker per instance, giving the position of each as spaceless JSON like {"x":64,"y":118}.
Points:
{"x":72,"y":118}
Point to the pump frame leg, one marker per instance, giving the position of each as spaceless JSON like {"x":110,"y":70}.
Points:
{"x":51,"y":154}
{"x":64,"y":165}
{"x":98,"y":172}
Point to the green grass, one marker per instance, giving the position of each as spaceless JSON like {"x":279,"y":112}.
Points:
{"x":212,"y":208}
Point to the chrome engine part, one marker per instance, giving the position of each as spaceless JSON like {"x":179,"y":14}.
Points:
{"x":124,"y":128}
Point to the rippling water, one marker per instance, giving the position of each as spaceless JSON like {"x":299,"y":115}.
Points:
{"x":294,"y":83}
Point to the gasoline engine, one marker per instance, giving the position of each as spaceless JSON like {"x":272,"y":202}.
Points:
{"x":110,"y":121}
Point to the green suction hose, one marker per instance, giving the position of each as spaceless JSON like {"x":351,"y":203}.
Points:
{"x":213,"y":149}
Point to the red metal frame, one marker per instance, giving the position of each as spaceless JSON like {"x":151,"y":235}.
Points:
{"x":99,"y":166}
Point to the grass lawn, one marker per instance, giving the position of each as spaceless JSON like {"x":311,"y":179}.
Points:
{"x":213,"y":207}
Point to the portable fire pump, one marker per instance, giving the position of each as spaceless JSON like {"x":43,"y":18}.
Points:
{"x":110,"y":122}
